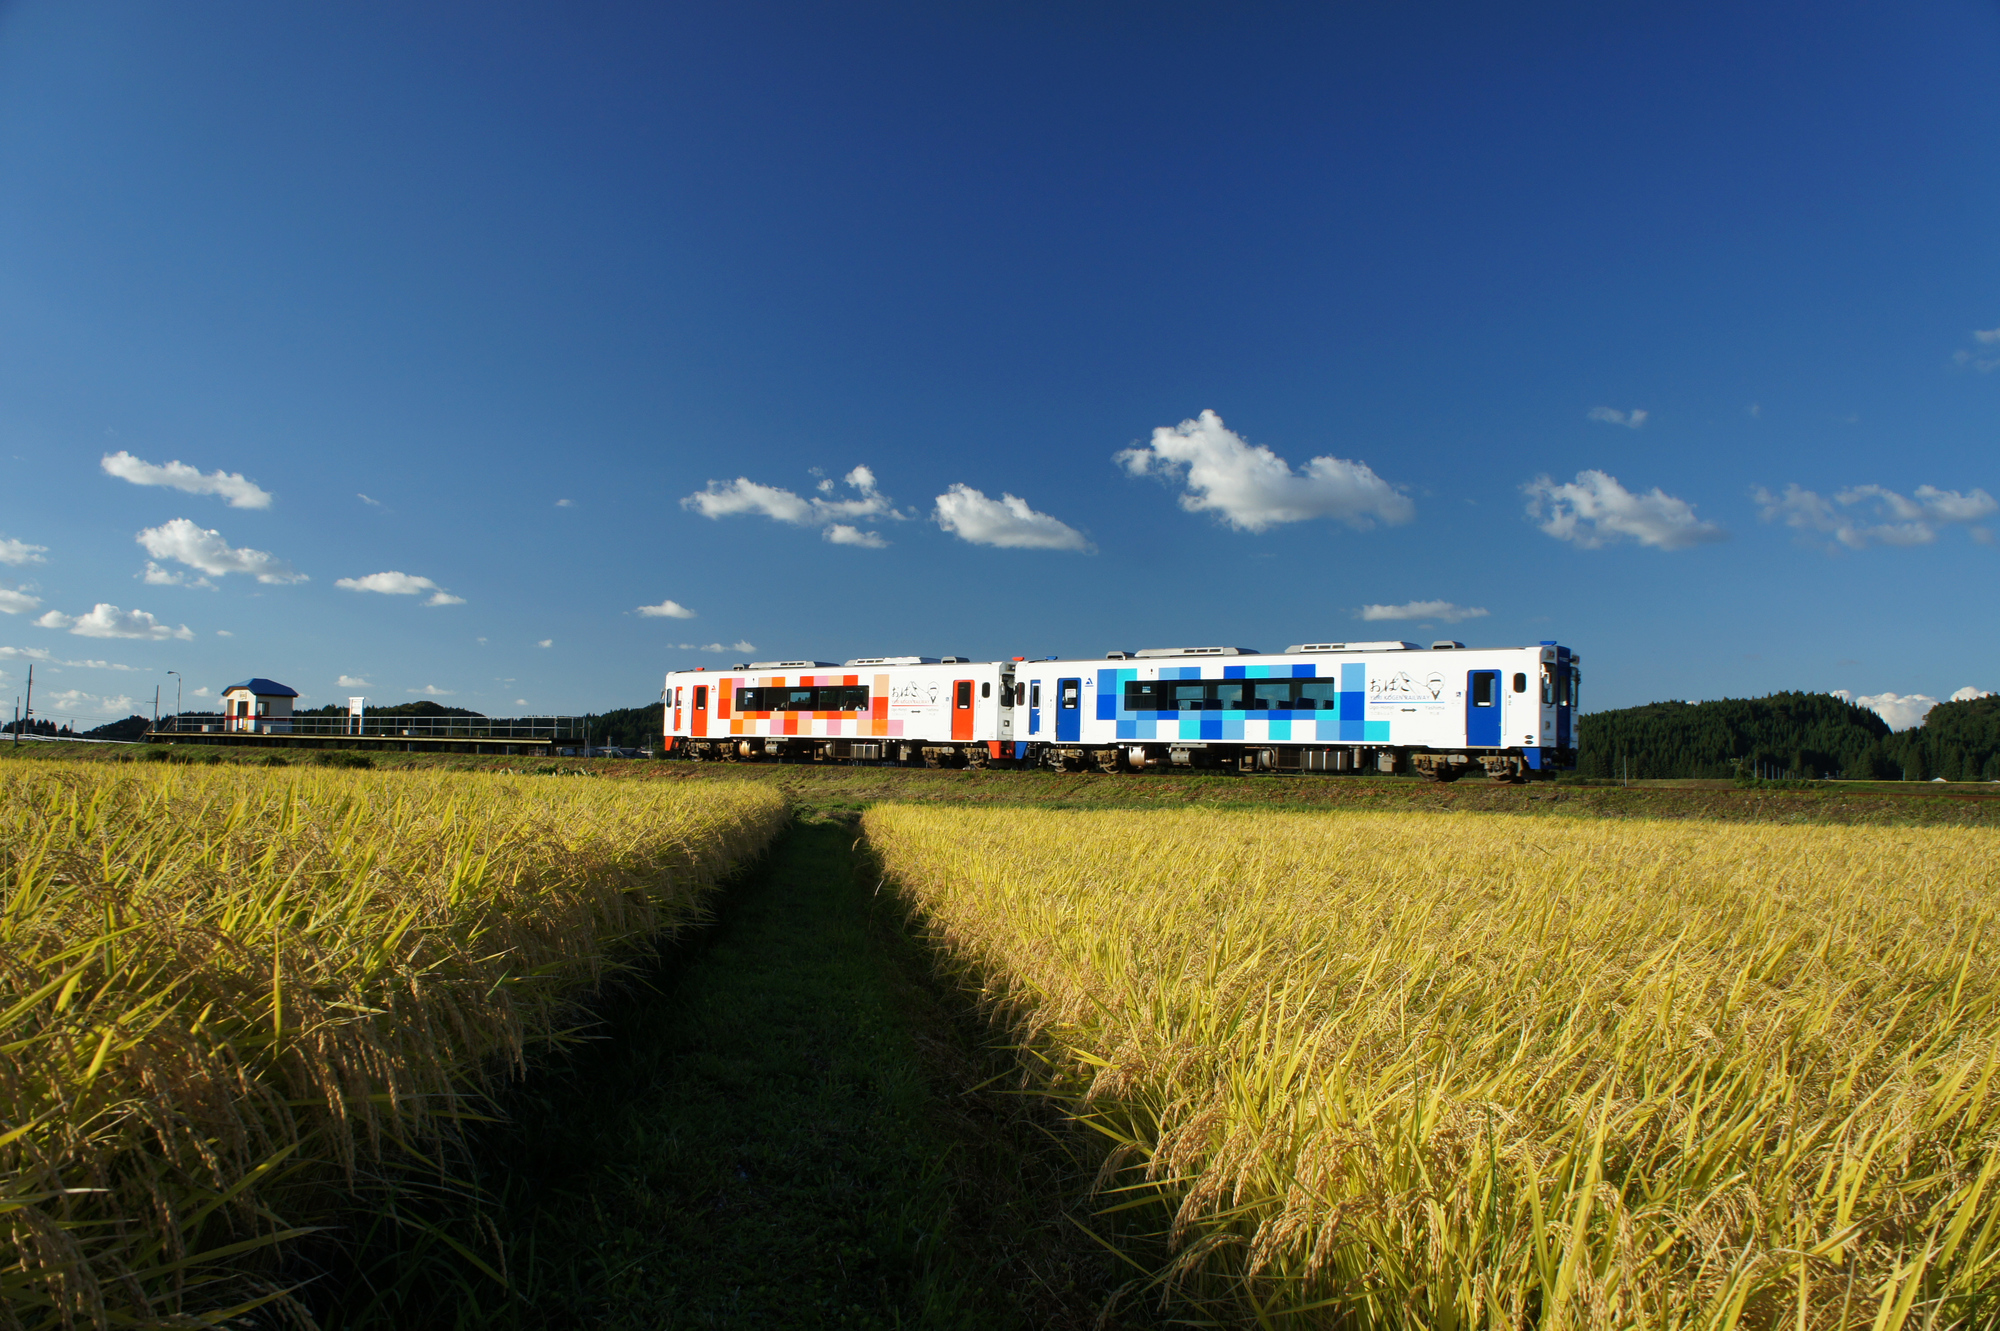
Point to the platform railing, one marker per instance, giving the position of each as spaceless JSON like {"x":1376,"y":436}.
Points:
{"x":373,"y":726}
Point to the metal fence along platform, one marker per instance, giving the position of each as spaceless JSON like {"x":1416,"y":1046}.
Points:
{"x":415,"y":734}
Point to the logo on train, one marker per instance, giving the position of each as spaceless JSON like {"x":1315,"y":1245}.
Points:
{"x":913,"y":694}
{"x":1400,"y":688}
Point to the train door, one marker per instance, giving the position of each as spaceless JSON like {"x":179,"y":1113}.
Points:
{"x":1482,"y":708}
{"x":699,"y":720}
{"x":677,"y":711}
{"x":961,"y":709}
{"x":1069,"y":711}
{"x":1034,"y":707}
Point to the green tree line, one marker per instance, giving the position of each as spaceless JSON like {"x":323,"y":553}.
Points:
{"x":1798,"y":735}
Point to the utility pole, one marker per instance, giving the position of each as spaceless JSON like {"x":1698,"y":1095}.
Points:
{"x":156,"y":707}
{"x":28,"y":712}
{"x":177,"y":701}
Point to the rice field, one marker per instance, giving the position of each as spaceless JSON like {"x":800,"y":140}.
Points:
{"x":226,"y":993}
{"x":1480,"y":1070}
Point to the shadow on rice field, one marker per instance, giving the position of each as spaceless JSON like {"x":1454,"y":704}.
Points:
{"x":773,"y":1128}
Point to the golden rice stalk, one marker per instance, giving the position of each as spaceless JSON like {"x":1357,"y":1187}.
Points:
{"x":1489,"y":1071}
{"x":223,"y":989}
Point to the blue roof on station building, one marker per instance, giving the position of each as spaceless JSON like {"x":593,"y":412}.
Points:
{"x":265,"y":688}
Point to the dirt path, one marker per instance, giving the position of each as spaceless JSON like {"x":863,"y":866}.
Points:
{"x":773,"y":1131}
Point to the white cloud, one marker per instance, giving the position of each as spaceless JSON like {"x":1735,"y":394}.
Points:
{"x":520,"y":702}
{"x":1900,"y":712}
{"x":17,"y":601}
{"x":20,"y":552}
{"x":1631,"y":420}
{"x":666,"y":610}
{"x":1969,"y":693}
{"x":155,"y":576}
{"x":179,"y":476}
{"x":75,"y":701}
{"x":868,"y":502}
{"x":546,"y":642}
{"x":187,"y":543}
{"x":1442,"y":610}
{"x":565,"y":503}
{"x":372,"y":503}
{"x":841,"y":533}
{"x":224,"y":633}
{"x":108,"y":621}
{"x":1595,"y":510}
{"x":1007,"y":522}
{"x":1253,"y":488}
{"x":400,"y":584}
{"x":350,"y":682}
{"x":744,"y":495}
{"x":1986,"y":360}
{"x":434,"y":691}
{"x":1897,"y":520}
{"x":715,"y":647}
{"x":41,"y":654}
{"x":201,"y":692}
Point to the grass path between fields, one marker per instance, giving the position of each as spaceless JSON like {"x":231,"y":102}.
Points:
{"x":774,"y":1129}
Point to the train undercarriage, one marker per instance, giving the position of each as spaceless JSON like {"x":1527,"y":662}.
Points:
{"x":1435,"y":765}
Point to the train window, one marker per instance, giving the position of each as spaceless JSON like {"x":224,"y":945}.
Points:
{"x":1316,"y":693}
{"x":826,"y":698}
{"x":1562,"y":688}
{"x":1021,"y":693}
{"x":701,"y":697}
{"x":1548,"y":686}
{"x":1273,"y":695}
{"x":964,"y":699}
{"x":1575,"y":688}
{"x":1035,"y":694}
{"x":1230,"y":695}
{"x":1215,"y":695}
{"x":985,"y":689}
{"x":1006,"y":695}
{"x":1520,"y":682}
{"x":1072,"y":695}
{"x":1482,"y":687}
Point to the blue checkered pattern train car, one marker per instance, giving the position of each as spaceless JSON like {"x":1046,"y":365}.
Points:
{"x":1440,"y":711}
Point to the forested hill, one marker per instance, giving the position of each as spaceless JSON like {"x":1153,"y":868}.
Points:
{"x":627,"y":727}
{"x":1790,"y":734}
{"x":424,"y":708}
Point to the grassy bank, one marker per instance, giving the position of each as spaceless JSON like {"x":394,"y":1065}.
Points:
{"x":1496,"y":1071}
{"x":226,"y":992}
{"x":1860,"y":803}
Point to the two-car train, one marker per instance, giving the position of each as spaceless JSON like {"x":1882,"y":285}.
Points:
{"x":1440,"y":711}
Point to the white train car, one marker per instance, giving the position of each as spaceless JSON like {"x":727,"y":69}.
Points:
{"x":1331,"y":707}
{"x":940,"y":711}
{"x":1440,"y":711}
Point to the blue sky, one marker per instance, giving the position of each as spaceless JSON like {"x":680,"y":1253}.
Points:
{"x":1653,"y":328}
